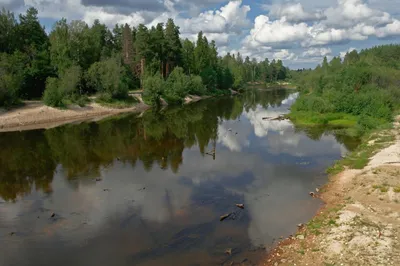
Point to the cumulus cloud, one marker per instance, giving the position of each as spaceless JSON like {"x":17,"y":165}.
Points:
{"x":266,"y":31}
{"x":295,"y":13}
{"x":351,"y":12}
{"x":347,"y":20}
{"x":317,"y":52}
{"x":391,"y":29}
{"x":230,"y":18}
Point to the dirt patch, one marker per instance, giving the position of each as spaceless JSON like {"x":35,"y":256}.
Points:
{"x":360,"y":224}
{"x":35,"y":115}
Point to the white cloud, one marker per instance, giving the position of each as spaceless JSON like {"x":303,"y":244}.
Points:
{"x":317,"y":52}
{"x":284,"y":54}
{"x":266,"y":31}
{"x":351,"y":12}
{"x":391,"y":29}
{"x":294,"y":13}
{"x":231,"y":18}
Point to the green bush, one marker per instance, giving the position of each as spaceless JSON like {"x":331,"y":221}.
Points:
{"x":176,"y":86}
{"x":153,"y":86}
{"x":196,"y":86}
{"x":312,"y":103}
{"x":109,"y":77}
{"x":53,"y":95}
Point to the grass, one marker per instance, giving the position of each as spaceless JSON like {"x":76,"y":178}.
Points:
{"x":359,"y":158}
{"x":397,"y":189}
{"x":117,"y":103}
{"x":334,"y":120}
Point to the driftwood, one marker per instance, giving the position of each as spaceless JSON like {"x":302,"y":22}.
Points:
{"x":223,"y":217}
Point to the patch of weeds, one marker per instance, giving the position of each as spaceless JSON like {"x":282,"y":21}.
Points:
{"x":315,"y":249}
{"x":329,"y":264}
{"x":384,"y":189}
{"x":301,"y":251}
{"x":332,"y":222}
{"x":397,"y":189}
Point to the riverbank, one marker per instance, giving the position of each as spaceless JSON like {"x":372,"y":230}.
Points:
{"x":360,"y":223}
{"x":36,"y":115}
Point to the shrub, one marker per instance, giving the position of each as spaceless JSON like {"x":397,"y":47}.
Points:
{"x":53,"y":95}
{"x":108,"y":77}
{"x":153,"y":86}
{"x":176,"y":86}
{"x":196,"y":86}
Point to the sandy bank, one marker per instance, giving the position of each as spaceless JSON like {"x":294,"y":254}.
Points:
{"x":360,"y":224}
{"x":35,"y":115}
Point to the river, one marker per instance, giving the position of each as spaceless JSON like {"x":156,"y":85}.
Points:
{"x":149,"y":189}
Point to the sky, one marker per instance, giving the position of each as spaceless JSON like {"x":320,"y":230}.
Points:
{"x":300,"y":32}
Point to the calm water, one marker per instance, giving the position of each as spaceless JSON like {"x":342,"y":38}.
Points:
{"x":143,"y":190}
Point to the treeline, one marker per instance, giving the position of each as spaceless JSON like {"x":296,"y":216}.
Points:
{"x":76,"y":60}
{"x":362,"y":90}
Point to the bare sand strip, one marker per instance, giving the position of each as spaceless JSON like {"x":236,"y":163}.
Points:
{"x":360,"y":224}
{"x":35,"y":115}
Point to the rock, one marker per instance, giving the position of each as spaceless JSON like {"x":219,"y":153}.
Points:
{"x":98,"y":179}
{"x":223,"y":217}
{"x":230,"y":129}
{"x":118,"y":159}
{"x":275,"y":264}
{"x":12,"y":233}
{"x":300,"y":225}
{"x":106,"y":189}
{"x":300,"y":237}
{"x":317,"y":190}
{"x":52,"y":215}
{"x":228,"y":251}
{"x":240,"y":206}
{"x":312,"y":194}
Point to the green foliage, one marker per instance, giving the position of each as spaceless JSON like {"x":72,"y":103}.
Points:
{"x":176,"y":86}
{"x":209,"y":77}
{"x":11,"y":77}
{"x":53,"y":95}
{"x":112,"y":61}
{"x":363,"y":85}
{"x":58,"y":90}
{"x":153,"y":86}
{"x":107,"y":77}
{"x":196,"y":86}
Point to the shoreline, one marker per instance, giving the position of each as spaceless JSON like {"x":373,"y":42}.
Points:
{"x":36,"y":115}
{"x":360,"y":221}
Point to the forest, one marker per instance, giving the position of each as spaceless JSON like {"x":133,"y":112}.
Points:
{"x":361,"y":92}
{"x":76,"y":60}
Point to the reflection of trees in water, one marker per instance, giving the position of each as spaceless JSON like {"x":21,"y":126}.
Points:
{"x":315,"y":133}
{"x":30,"y":158}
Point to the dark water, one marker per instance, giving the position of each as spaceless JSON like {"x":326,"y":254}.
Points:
{"x":161,"y":195}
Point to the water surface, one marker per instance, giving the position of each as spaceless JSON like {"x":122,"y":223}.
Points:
{"x":149,"y":190}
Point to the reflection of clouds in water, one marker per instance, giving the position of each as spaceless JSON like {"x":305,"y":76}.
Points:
{"x":291,"y":99}
{"x":165,"y":193}
{"x":261,"y":127}
{"x":229,"y":138}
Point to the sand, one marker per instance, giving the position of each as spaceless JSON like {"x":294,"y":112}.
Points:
{"x":360,"y":224}
{"x":36,"y":115}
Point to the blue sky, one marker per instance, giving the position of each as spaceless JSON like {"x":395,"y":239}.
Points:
{"x":300,"y":32}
